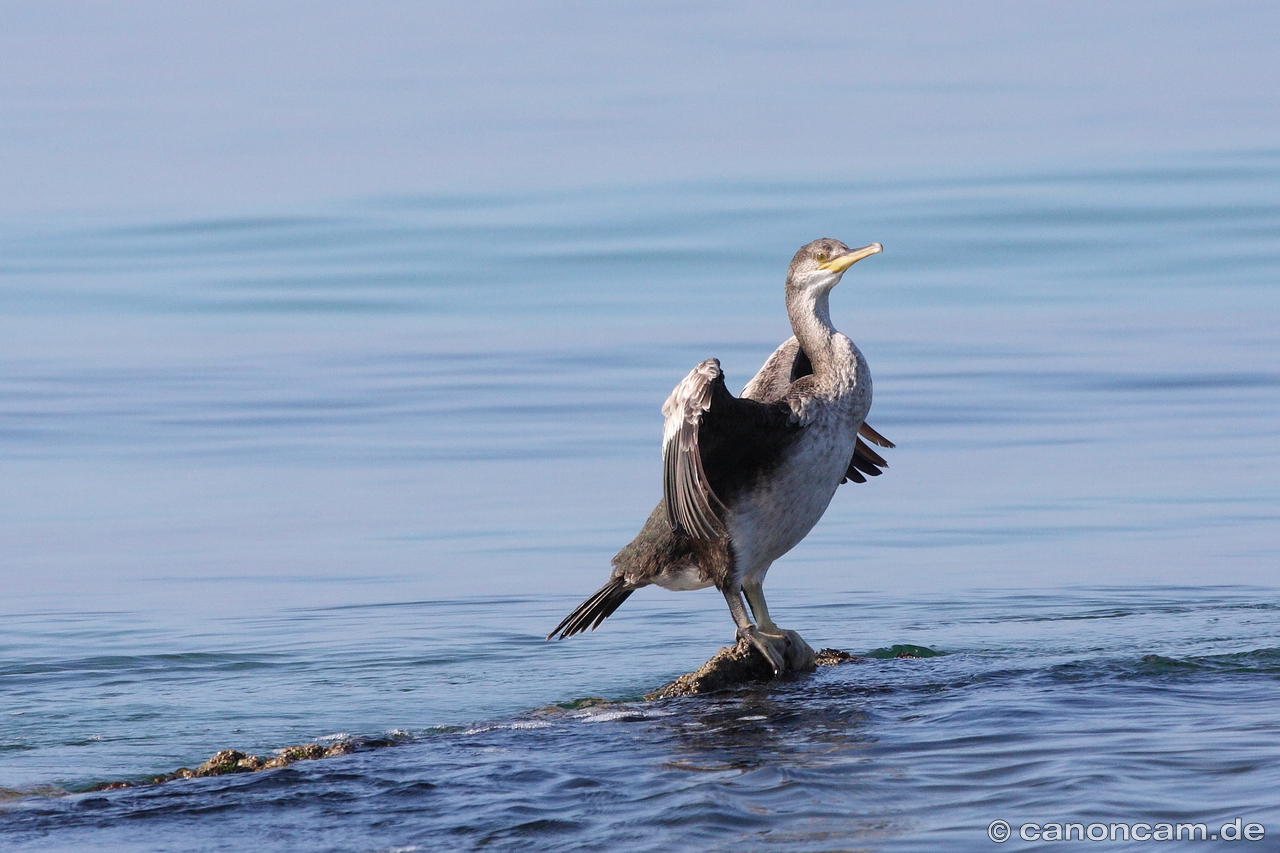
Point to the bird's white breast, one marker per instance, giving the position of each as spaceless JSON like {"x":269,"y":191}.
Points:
{"x":770,"y":520}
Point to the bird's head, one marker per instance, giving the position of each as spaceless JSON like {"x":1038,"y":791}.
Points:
{"x":818,"y":266}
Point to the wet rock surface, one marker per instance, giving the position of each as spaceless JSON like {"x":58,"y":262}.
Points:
{"x":741,"y":664}
{"x":834,"y":657}
{"x":730,"y":667}
{"x":228,"y":761}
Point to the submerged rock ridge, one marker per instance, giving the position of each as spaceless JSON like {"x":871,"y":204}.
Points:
{"x":732,"y":666}
{"x":228,"y":761}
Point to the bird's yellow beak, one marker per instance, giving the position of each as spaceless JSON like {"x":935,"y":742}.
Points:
{"x":843,"y":262}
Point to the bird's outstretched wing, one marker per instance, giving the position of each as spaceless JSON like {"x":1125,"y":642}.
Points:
{"x":866,"y":462}
{"x":712,"y":443}
{"x":692,"y":507}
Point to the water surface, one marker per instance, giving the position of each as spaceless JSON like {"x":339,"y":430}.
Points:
{"x":274,"y":479}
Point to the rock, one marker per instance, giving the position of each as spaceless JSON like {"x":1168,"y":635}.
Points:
{"x":585,"y":702}
{"x":41,"y":791}
{"x":101,"y":786}
{"x":221,"y":763}
{"x":228,"y":761}
{"x":290,"y":754}
{"x":730,"y":667}
{"x":834,"y":657}
{"x":737,"y":665}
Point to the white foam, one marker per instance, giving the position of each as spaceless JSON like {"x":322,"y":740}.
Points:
{"x":606,"y":716}
{"x":530,"y":724}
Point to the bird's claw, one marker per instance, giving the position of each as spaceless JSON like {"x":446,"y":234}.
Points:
{"x":785,"y":651}
{"x":767,"y":645}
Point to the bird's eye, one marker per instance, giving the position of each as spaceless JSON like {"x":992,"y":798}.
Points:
{"x":822,"y":256}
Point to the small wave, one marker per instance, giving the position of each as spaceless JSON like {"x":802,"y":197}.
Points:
{"x":522,"y":724}
{"x":632,"y":713}
{"x":1258,"y":661}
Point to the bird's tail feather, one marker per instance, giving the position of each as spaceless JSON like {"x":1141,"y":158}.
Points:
{"x":593,"y":611}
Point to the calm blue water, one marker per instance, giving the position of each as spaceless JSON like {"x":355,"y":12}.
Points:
{"x":337,"y":471}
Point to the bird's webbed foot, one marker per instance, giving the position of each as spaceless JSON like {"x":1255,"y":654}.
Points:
{"x":785,"y":651}
{"x":774,"y":651}
{"x":772,"y":647}
{"x":800,"y":656}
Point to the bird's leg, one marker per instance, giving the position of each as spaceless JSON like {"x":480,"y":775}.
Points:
{"x":798,"y":654}
{"x":755,"y":598}
{"x":749,"y":632}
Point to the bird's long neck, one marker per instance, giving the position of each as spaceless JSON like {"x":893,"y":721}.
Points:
{"x":810,"y":316}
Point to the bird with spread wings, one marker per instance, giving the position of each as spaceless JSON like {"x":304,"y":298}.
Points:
{"x":746,"y":478}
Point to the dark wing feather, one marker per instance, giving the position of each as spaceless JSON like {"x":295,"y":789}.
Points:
{"x":866,"y":462}
{"x":874,"y":437}
{"x":713,"y":444}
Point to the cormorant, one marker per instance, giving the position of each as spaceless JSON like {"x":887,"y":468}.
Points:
{"x":746,"y":478}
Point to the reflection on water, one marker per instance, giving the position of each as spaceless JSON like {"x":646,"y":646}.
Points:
{"x":270,"y":479}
